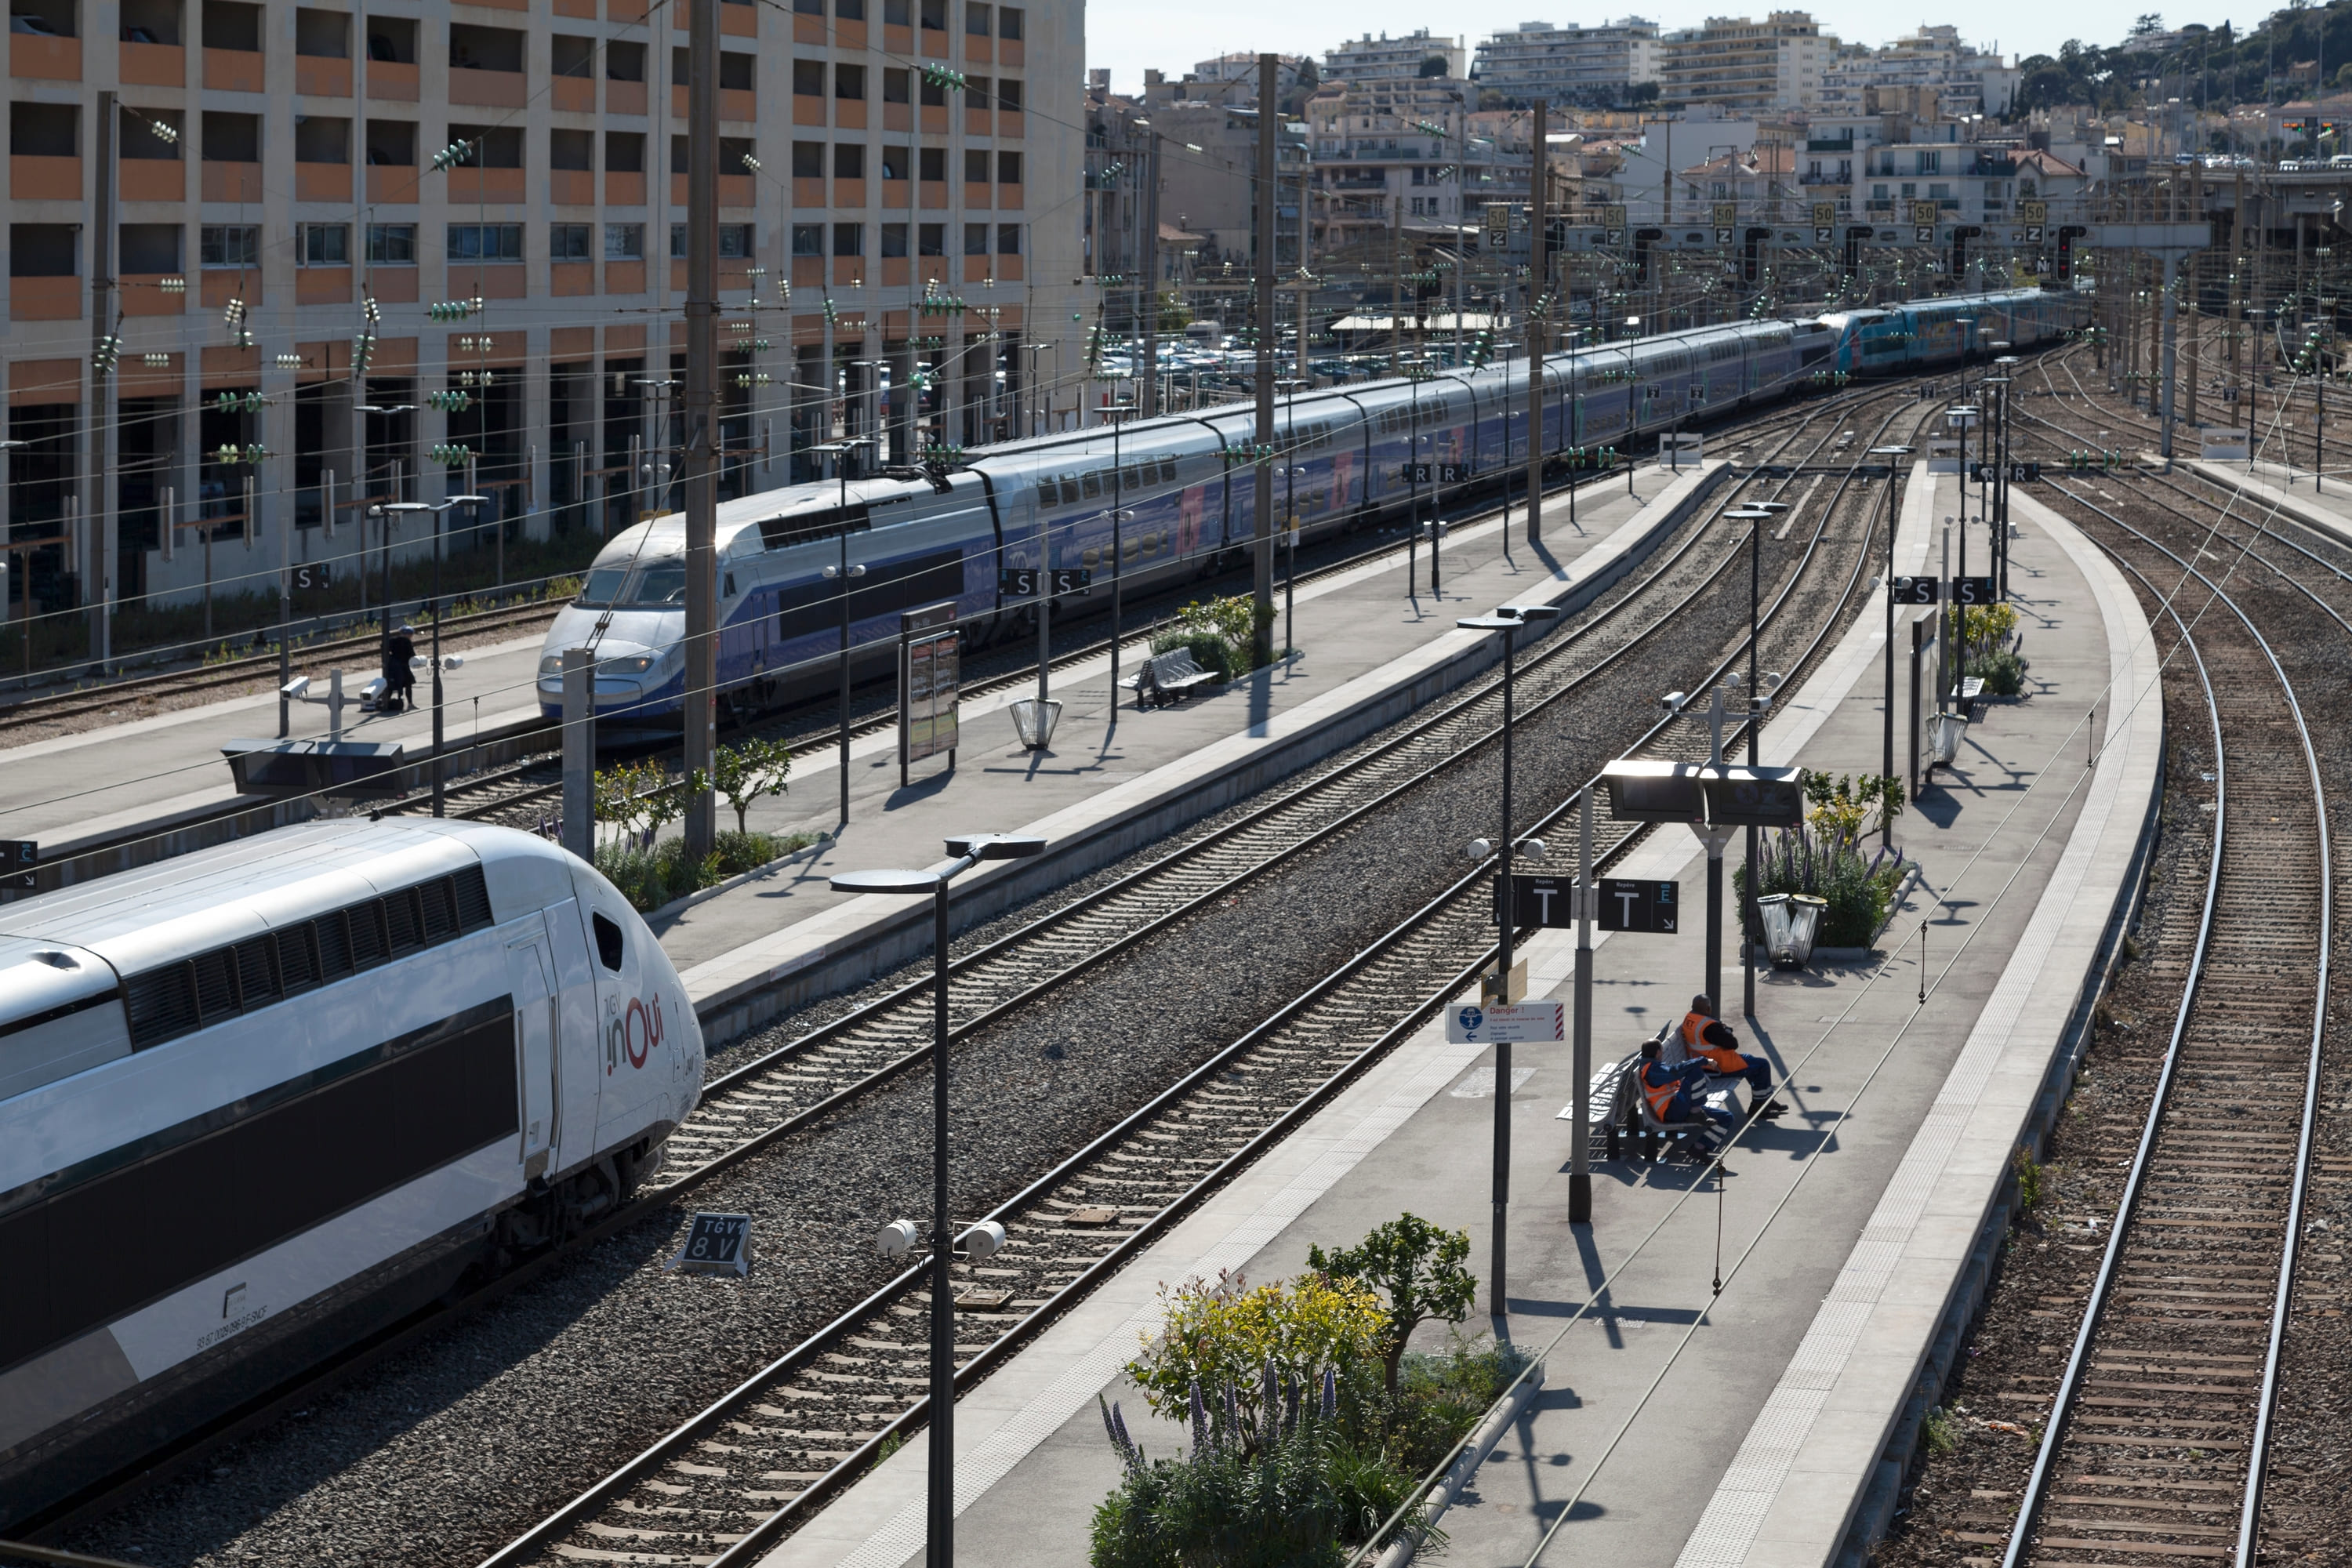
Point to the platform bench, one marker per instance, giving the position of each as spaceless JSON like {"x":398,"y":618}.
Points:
{"x":1167,"y":678}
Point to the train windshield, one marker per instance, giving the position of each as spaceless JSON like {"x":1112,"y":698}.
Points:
{"x":657,"y":584}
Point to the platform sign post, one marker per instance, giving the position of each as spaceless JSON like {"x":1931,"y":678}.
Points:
{"x":929,"y":685}
{"x":1580,"y":1150}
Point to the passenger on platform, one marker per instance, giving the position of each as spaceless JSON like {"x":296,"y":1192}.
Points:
{"x":1673,"y":1093}
{"x":399,"y":680}
{"x":1707,"y":1039}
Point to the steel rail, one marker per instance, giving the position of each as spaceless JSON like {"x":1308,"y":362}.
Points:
{"x":95,"y":1500}
{"x":2069,"y":1381}
{"x":2266,"y":1401}
{"x":916,"y":991}
{"x":744,"y":1550}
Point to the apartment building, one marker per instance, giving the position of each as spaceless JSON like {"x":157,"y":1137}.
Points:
{"x":1732,"y":62}
{"x":1393,"y":155}
{"x":1966,"y":81}
{"x":1369,"y":58}
{"x":349,"y":243}
{"x":1571,"y":64}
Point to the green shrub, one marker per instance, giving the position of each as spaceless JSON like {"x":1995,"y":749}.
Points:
{"x":1220,"y":632}
{"x":649,"y":878}
{"x":1207,"y":649}
{"x":2003,"y":672}
{"x":1858,"y":888}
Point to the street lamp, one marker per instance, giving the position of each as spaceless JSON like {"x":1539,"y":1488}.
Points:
{"x":1885,"y":819}
{"x":1756,"y":516}
{"x":1507,"y":619}
{"x":1116,"y":414}
{"x":1715,"y":835}
{"x":964,"y":853}
{"x":441,"y":665}
{"x":841,"y":576}
{"x":391,"y":511}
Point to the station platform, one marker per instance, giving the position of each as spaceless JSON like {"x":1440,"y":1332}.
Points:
{"x":1675,"y":1425}
{"x":2275,"y":488}
{"x":164,"y":767}
{"x":1117,"y":778}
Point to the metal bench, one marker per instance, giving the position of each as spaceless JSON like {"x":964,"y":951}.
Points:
{"x":1629,"y":1114}
{"x":1167,"y":678}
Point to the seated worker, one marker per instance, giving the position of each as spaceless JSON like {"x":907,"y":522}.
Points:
{"x":1671,"y":1092}
{"x":1705,"y":1037}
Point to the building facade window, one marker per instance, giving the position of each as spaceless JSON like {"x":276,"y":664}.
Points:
{"x":229,"y":245}
{"x":624,"y":242}
{"x":567,"y":242}
{"x":392,"y":243}
{"x":485,"y":242}
{"x":323,"y":245}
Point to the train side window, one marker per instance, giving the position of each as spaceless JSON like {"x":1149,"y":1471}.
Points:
{"x":1092,"y":483}
{"x":1048,"y":492}
{"x":608,"y":942}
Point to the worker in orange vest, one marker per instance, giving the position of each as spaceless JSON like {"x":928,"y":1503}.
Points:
{"x":1673,"y":1094}
{"x":1705,"y":1037}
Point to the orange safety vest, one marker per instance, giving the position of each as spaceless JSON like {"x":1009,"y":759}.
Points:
{"x":1726,"y":1059}
{"x":1660,"y":1099}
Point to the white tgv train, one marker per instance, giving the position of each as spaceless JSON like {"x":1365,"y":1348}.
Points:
{"x":260,"y":1101}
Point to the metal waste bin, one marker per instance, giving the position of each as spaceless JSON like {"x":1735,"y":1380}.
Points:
{"x":1034,"y":722}
{"x":1791,"y":922}
{"x":1944,"y":733}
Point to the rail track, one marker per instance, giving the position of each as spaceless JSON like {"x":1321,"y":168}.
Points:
{"x":55,"y":707}
{"x":518,"y":794}
{"x":2161,"y":1424}
{"x":810,"y":1079}
{"x":744,"y":1472}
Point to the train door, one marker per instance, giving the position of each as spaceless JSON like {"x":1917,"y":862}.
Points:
{"x":530,"y":981}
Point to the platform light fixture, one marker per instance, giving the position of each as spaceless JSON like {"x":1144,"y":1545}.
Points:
{"x":1510,"y":620}
{"x":965,"y":851}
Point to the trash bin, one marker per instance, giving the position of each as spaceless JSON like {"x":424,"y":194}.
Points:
{"x":1034,"y":722}
{"x":1944,"y":733}
{"x":1791,"y":922}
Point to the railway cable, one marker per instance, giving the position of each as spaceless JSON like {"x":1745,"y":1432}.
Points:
{"x":1215,"y":1119}
{"x":409,"y":1332}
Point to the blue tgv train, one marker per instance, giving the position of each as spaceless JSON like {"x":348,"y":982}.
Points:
{"x":1185,"y":485}
{"x":1929,"y":333}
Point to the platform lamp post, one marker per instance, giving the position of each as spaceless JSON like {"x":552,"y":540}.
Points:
{"x":392,"y":512}
{"x":1507,"y":619}
{"x":841,"y":576}
{"x":2008,"y":365}
{"x":1117,"y":412}
{"x":1713,"y":835}
{"x":455,"y":661}
{"x":1756,"y":516}
{"x":1885,"y":822}
{"x":964,"y":853}
{"x":1988,"y":452}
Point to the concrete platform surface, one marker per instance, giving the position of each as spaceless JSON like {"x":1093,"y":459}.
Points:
{"x":1655,"y":1394}
{"x":125,"y":775}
